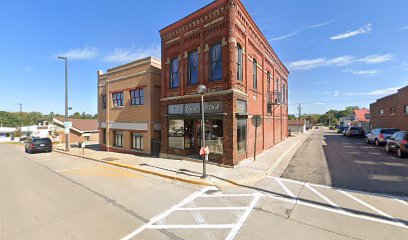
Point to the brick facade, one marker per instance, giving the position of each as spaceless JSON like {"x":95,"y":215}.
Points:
{"x":130,"y":119}
{"x":225,"y":22}
{"x":391,"y":111}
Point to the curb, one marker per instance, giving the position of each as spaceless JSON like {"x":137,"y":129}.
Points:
{"x":181,"y":179}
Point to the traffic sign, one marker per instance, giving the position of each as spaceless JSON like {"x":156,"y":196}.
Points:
{"x":68,"y":124}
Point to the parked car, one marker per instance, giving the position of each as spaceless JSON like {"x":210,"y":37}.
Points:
{"x":38,"y":145}
{"x":379,"y":136}
{"x":341,"y":129}
{"x":398,"y":143}
{"x":355,"y":132}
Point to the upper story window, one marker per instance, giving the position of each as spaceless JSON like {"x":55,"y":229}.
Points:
{"x":117,"y":99}
{"x":137,"y":97}
{"x":406,"y":109}
{"x":277,"y":85}
{"x":103,"y":101}
{"x":381,"y":112}
{"x":283,"y":93}
{"x":216,"y":62}
{"x":193,"y":67}
{"x":268,"y":87}
{"x":255,"y":83}
{"x":239,"y":63}
{"x":174,"y":76}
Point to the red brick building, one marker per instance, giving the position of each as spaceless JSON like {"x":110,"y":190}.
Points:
{"x":82,"y":130}
{"x":391,"y":111}
{"x":221,"y":47}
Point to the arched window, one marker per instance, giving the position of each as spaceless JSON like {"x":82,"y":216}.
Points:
{"x":239,"y":63}
{"x":255,"y":83}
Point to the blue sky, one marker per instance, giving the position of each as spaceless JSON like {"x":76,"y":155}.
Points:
{"x":339,"y":53}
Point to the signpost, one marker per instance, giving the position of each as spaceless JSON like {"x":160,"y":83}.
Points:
{"x":257,"y":122}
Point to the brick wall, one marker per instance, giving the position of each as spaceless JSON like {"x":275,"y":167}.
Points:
{"x":394,"y":114}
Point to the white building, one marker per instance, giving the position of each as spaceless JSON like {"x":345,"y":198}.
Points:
{"x":6,"y":134}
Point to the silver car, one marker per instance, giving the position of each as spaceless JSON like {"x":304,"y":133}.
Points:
{"x":379,"y":136}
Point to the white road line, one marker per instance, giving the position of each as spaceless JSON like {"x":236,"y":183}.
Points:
{"x":345,"y":212}
{"x":322,"y":196}
{"x":401,"y":201}
{"x":169,"y":211}
{"x":343,"y":189}
{"x":285,"y":188}
{"x":243,"y":218}
{"x":193,"y":226}
{"x":226,"y":195}
{"x":210,"y":208}
{"x":371,"y":207}
{"x":66,"y":170}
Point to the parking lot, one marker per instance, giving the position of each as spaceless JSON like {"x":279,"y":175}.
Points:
{"x":332,"y":159}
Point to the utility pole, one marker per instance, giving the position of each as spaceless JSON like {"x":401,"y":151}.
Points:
{"x":329,"y":121}
{"x":300,"y":115}
{"x":21,"y":114}
{"x":66,"y":102}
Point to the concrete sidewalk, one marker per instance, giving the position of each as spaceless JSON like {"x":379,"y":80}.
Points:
{"x":271,"y":162}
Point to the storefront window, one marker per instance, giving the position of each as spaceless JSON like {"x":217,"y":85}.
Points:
{"x":214,"y":137}
{"x":176,"y":134}
{"x":241,"y":135}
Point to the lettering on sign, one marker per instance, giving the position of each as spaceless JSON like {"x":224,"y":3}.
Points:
{"x":213,"y":107}
{"x":176,"y":109}
{"x":191,"y":108}
{"x":241,"y":106}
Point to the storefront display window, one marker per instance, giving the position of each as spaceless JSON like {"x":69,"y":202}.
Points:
{"x":214,"y":139}
{"x":176,"y":134}
{"x":241,"y":135}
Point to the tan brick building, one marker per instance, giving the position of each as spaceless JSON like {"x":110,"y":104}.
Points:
{"x":391,"y":111}
{"x":221,"y":47}
{"x":129,"y":107}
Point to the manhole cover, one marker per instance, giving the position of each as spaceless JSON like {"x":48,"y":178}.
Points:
{"x":109,"y":159}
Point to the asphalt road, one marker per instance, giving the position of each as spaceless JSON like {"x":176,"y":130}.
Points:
{"x":334,"y":160}
{"x":55,"y":196}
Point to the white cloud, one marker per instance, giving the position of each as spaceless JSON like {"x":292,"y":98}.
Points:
{"x":403,"y":28}
{"x":293,"y":33}
{"x":319,"y":103}
{"x":80,"y":53}
{"x":370,"y":72}
{"x":127,"y":55}
{"x":307,"y":64}
{"x":384,"y":91}
{"x":374,"y":59}
{"x":362,"y":30}
{"x":321,"y":24}
{"x":336,"y":93}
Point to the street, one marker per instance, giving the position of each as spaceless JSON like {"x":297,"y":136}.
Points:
{"x":55,"y":196}
{"x":334,"y":160}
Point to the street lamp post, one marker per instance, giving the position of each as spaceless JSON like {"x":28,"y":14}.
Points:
{"x":21,"y":113}
{"x":66,"y":101}
{"x":202,"y":89}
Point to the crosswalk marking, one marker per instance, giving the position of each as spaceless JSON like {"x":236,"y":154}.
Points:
{"x":285,"y":188}
{"x":322,"y":196}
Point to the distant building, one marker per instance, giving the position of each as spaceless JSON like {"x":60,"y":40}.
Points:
{"x":221,"y":46}
{"x":83,"y":130}
{"x":391,"y":111}
{"x":298,"y":126}
{"x":6,"y":134}
{"x":129,"y":107}
{"x":360,"y":118}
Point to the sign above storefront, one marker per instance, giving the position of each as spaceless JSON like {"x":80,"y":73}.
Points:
{"x":241,"y":106}
{"x":192,"y":108}
{"x":176,"y":109}
{"x":195,"y":108}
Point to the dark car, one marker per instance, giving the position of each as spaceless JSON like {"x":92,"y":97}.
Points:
{"x":355,"y":132}
{"x":379,"y":136}
{"x":341,"y":129}
{"x":38,"y":145}
{"x":398,"y":143}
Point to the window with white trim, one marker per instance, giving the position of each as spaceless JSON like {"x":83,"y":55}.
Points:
{"x":137,"y":141}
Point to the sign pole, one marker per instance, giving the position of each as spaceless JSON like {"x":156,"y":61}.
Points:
{"x":256,"y":134}
{"x":257,"y":122}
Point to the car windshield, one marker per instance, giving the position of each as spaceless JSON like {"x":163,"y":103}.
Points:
{"x":389,"y":131}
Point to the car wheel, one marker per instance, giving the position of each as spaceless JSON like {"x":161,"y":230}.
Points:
{"x":29,"y":151}
{"x":400,"y":153}
{"x":377,"y":143}
{"x":387,"y":148}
